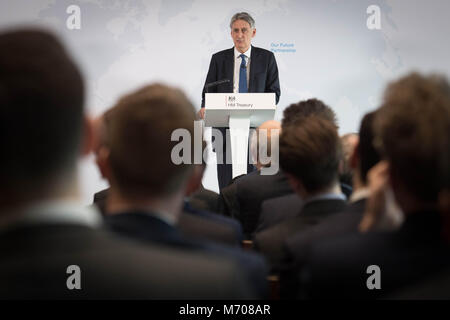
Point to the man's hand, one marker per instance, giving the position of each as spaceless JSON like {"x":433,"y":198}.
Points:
{"x":378,"y":178}
{"x":201,"y":113}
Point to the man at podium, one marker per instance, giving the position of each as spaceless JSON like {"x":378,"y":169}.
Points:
{"x":247,"y":69}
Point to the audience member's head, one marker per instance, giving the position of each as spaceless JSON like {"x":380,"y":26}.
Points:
{"x":349,"y":142}
{"x":100,"y":143}
{"x":138,"y":134}
{"x":309,"y":153}
{"x":413,"y":128}
{"x":306,"y":108}
{"x":263,"y":146}
{"x":195,"y":181}
{"x":41,"y":103}
{"x":366,"y":157}
{"x":367,"y":154}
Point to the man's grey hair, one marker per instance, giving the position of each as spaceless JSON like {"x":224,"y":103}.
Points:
{"x":243,"y":16}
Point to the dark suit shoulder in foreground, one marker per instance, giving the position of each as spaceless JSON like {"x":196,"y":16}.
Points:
{"x":339,"y":224}
{"x":271,"y":241}
{"x":149,"y":229}
{"x":337,"y":267}
{"x":195,"y":223}
{"x":35,"y":259}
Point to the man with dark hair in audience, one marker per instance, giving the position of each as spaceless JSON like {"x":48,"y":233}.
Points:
{"x":51,"y":247}
{"x":148,"y":186}
{"x":436,"y":286}
{"x":364,"y":157}
{"x":362,"y":160}
{"x":306,"y":108}
{"x":411,"y":127}
{"x":192,"y":222}
{"x":310,"y":151}
{"x":279,"y":208}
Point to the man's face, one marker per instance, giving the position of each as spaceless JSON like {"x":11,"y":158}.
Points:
{"x":242,"y":35}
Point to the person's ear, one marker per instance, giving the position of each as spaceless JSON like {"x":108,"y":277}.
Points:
{"x":354,"y":158}
{"x":87,"y":142}
{"x":195,"y":180}
{"x":254,"y":32}
{"x":102,"y":160}
{"x":295,"y":184}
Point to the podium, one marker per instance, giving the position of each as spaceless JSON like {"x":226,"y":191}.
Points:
{"x":238,"y":112}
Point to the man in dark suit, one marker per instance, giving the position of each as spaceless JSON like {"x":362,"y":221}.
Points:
{"x":195,"y":223}
{"x":364,"y":157}
{"x":276,"y":210}
{"x":288,"y":205}
{"x":204,"y":199}
{"x":309,"y":155}
{"x":192,"y":222}
{"x":248,"y":192}
{"x":51,"y":247}
{"x":201,"y":223}
{"x":148,"y":187}
{"x":412,"y":130}
{"x":248,"y":69}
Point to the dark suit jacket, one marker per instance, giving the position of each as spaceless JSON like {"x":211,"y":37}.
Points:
{"x":195,"y":223}
{"x":227,"y":199}
{"x":34,"y":259}
{"x":210,"y":226}
{"x":263,"y":72}
{"x":271,"y":241}
{"x":336,"y":268}
{"x":275,"y":210}
{"x":339,"y":224}
{"x":205,"y":200}
{"x":146,"y":228}
{"x":100,"y":200}
{"x":436,"y":287}
{"x":252,"y":190}
{"x":296,"y":247}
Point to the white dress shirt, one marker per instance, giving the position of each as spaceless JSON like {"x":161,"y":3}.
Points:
{"x":237,"y":67}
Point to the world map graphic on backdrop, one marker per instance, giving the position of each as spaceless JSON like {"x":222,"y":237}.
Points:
{"x":323,"y":48}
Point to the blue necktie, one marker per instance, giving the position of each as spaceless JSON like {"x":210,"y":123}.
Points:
{"x":243,"y":76}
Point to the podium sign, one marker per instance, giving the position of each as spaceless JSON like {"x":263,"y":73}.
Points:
{"x":239,"y":112}
{"x":259,"y":107}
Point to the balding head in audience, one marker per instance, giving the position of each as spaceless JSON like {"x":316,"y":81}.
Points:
{"x":267,"y":131}
{"x":349,"y":142}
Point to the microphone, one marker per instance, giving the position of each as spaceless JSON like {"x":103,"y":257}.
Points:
{"x":215,"y":83}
